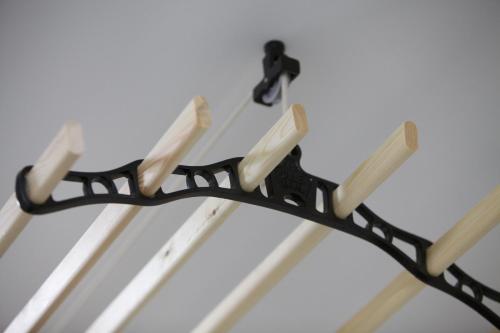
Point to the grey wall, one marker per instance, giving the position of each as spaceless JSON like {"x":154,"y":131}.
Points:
{"x":125,"y":69}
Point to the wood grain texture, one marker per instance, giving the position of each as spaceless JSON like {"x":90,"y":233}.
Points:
{"x":468,"y":231}
{"x":163,"y":158}
{"x":367,"y":177}
{"x":66,"y":147}
{"x":258,"y":163}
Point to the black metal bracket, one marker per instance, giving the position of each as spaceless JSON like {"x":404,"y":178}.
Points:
{"x":275,"y":63}
{"x":288,"y":188}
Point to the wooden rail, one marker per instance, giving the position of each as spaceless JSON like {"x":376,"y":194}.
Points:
{"x":51,"y":167}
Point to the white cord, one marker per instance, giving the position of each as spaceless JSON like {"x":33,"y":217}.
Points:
{"x":132,"y":234}
{"x":285,"y":82}
{"x":222,"y":129}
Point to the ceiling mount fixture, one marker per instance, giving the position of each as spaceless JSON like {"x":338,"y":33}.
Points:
{"x":276,"y":64}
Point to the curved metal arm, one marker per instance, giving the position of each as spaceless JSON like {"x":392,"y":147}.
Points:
{"x":289,"y":189}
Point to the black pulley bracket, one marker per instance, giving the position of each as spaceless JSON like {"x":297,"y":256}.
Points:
{"x":288,"y":188}
{"x":275,"y":63}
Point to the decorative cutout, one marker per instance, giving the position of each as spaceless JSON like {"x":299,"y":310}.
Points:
{"x":263,"y":189}
{"x":65,"y":190}
{"x":377,"y":231}
{"x":221,"y":177}
{"x":466,"y":289}
{"x":173,"y":183}
{"x":491,"y":304}
{"x":359,"y":220}
{"x":99,"y":188}
{"x":122,"y":185}
{"x":452,"y":280}
{"x":200,"y":181}
{"x":291,"y":201}
{"x":407,"y":248}
{"x":321,"y":198}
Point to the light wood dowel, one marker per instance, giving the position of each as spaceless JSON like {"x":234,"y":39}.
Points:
{"x":363,"y":181}
{"x":403,"y":288}
{"x":163,"y":158}
{"x":465,"y":234}
{"x":460,"y":238}
{"x":46,"y":173}
{"x":258,"y":163}
{"x":376,"y":169}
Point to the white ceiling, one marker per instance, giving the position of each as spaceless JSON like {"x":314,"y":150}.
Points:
{"x":125,"y":69}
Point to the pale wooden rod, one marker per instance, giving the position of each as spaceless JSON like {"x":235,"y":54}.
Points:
{"x":253,"y":169}
{"x":51,"y":167}
{"x":354,"y":190}
{"x":159,"y":163}
{"x":453,"y":244}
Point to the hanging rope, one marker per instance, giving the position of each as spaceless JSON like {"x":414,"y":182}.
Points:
{"x":285,"y":82}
